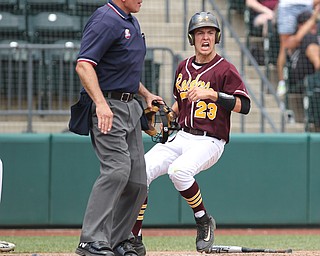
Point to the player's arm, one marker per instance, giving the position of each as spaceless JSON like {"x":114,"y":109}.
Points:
{"x":174,"y":111}
{"x":243,"y":105}
{"x":236,"y":103}
{"x":148,"y":96}
{"x":89,"y":80}
{"x":175,"y":108}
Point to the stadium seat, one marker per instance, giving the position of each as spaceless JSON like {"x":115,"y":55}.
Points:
{"x":264,"y":49}
{"x":251,"y":31}
{"x":15,"y":52}
{"x":87,"y":7}
{"x":151,"y":73}
{"x":254,"y":38}
{"x":274,"y":44}
{"x":12,"y":26}
{"x":9,"y":6}
{"x":248,"y":19}
{"x":235,"y":5}
{"x":60,"y":66}
{"x":312,"y":101}
{"x":71,"y":51}
{"x":295,"y":92}
{"x":15,"y":68}
{"x":37,"y":6}
{"x":48,"y":27}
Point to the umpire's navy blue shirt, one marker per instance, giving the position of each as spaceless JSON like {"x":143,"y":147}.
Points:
{"x":112,"y":42}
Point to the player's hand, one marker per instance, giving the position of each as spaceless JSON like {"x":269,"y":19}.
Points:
{"x":105,"y":118}
{"x":197,"y":93}
{"x":152,"y":97}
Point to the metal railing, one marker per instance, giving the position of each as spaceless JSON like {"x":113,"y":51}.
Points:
{"x":39,"y":80}
{"x":246,"y":57}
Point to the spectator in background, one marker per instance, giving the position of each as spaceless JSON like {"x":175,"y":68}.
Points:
{"x":303,"y":47}
{"x":262,"y":11}
{"x":288,"y":11}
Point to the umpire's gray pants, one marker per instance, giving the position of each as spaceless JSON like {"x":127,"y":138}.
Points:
{"x":120,"y":189}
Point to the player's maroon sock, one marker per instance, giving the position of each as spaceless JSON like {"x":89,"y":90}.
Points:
{"x":138,"y":225}
{"x":193,"y":197}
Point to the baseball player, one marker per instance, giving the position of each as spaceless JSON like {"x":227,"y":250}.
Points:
{"x":207,"y":89}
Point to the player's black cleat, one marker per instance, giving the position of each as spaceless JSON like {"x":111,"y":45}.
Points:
{"x":138,"y":245}
{"x":205,"y":233}
{"x":125,"y":248}
{"x":99,"y":248}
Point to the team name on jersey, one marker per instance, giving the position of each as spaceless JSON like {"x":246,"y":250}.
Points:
{"x":184,"y":85}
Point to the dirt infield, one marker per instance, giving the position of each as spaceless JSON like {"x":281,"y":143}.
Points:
{"x":300,"y":253}
{"x":167,"y":232}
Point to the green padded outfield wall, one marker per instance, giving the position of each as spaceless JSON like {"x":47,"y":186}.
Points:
{"x":26,"y":180}
{"x":74,"y":168}
{"x":261,"y":179}
{"x":163,"y":198}
{"x":314,"y":180}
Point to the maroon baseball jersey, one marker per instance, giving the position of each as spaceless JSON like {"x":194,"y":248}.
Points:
{"x":271,"y":4}
{"x":206,"y":115}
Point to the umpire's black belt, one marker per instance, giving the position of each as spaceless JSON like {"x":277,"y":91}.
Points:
{"x":122,"y":96}
{"x":198,"y":132}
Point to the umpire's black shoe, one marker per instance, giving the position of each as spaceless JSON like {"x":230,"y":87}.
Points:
{"x":205,"y":233}
{"x":138,"y":245}
{"x":99,"y":248}
{"x":125,"y":248}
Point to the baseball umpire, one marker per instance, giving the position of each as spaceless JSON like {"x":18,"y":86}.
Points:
{"x":110,"y":65}
{"x":207,"y":89}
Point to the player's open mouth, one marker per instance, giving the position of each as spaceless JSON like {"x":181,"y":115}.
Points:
{"x":205,"y":45}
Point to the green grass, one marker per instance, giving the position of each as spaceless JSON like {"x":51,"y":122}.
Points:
{"x":67,"y":244}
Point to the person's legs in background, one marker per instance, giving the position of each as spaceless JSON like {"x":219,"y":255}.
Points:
{"x":281,"y":61}
{"x":287,"y":25}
